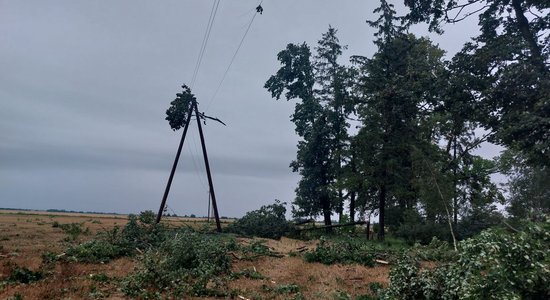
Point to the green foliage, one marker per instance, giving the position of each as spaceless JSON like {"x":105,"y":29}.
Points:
{"x":101,"y":277}
{"x":287,"y":289}
{"x":343,"y":251}
{"x":436,"y":250}
{"x":139,"y":232}
{"x":290,"y":291}
{"x":255,"y":249}
{"x":478,"y":220}
{"x":366,"y":297}
{"x":116,"y":243}
{"x":49,"y":258}
{"x":147,"y":217}
{"x":414,"y":229}
{"x":268,"y":222}
{"x":493,"y":265}
{"x":528,"y":192}
{"x":505,"y":68}
{"x":182,"y":265}
{"x":320,"y":84}
{"x":375,"y":287}
{"x":177,"y":113}
{"x":247,"y":273}
{"x":73,"y":230}
{"x":398,"y":88}
{"x":95,"y":251}
{"x":24,"y":275}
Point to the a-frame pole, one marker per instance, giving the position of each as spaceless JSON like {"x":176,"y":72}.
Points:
{"x":169,"y":184}
{"x":211,"y":185}
{"x":209,"y":209}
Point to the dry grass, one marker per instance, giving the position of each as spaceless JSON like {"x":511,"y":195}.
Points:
{"x":25,"y":236}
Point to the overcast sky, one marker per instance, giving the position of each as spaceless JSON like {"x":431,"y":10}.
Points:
{"x":84,"y":86}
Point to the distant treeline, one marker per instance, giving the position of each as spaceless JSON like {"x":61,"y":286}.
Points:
{"x":62,"y":211}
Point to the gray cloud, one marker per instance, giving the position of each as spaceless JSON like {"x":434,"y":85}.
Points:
{"x":84,"y":86}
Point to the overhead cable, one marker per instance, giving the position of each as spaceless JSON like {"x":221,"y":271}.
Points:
{"x":233,"y":58}
{"x":213,"y":12}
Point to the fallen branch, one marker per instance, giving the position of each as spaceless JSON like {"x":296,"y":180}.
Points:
{"x":304,"y":222}
{"x":333,"y":226}
{"x":383,"y":262}
{"x":301,"y":249}
{"x":235,"y":256}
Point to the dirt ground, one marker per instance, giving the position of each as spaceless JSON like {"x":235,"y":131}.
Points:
{"x":25,"y":236}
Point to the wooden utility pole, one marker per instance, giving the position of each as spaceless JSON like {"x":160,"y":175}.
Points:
{"x":207,"y":164}
{"x":193,"y":109}
{"x":175,"y":165}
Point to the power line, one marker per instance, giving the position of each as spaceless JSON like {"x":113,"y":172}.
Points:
{"x":213,"y":12}
{"x":233,"y":58}
{"x":195,"y":164}
{"x":200,"y":162}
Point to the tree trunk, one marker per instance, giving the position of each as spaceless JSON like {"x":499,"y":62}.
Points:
{"x":352,"y":207}
{"x":528,"y":36}
{"x":340,"y":205}
{"x":368,"y":229}
{"x":327,"y":213}
{"x":355,"y":190}
{"x":381,"y":207}
{"x":455,"y":183}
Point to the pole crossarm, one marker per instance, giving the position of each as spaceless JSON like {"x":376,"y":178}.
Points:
{"x":203,"y":116}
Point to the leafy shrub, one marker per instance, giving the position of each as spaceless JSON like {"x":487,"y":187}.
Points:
{"x":493,"y":265}
{"x":115,"y":243}
{"x":182,"y":265}
{"x":436,"y":250}
{"x":287,"y":289}
{"x":49,"y":258}
{"x":413,"y":228}
{"x":422,"y":233}
{"x":375,"y":287}
{"x":345,"y":252}
{"x":101,"y":277}
{"x":74,"y":230}
{"x":95,"y":251}
{"x":147,"y":217}
{"x":255,"y":249}
{"x":477,"y":221}
{"x":24,"y":275}
{"x":140,"y":233}
{"x":268,"y":222}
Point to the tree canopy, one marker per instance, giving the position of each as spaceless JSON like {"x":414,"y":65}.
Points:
{"x":420,"y":118}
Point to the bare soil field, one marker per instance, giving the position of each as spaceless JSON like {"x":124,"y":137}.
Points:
{"x":25,"y":237}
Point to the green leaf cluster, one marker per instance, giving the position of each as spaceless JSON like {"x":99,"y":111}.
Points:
{"x":181,"y":265}
{"x":268,"y":222}
{"x":495,"y":264}
{"x":178,"y":112}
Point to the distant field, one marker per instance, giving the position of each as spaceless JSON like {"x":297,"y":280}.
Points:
{"x":26,"y":235}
